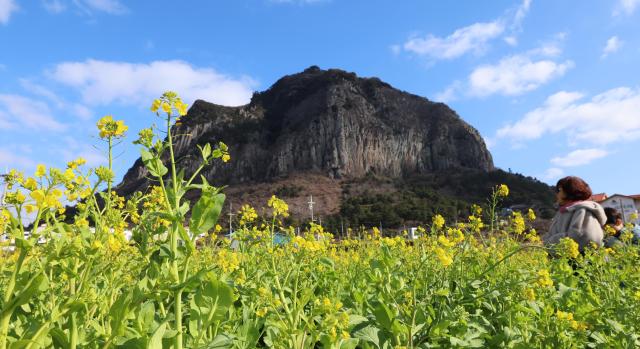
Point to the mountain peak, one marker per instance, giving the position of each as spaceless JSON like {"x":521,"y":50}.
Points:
{"x":329,"y":122}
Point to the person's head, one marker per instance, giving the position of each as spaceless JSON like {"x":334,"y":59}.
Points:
{"x":572,"y":189}
{"x":614,"y":218}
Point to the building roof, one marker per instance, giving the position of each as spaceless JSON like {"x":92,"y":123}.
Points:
{"x":635,"y":197}
{"x":598,"y":197}
{"x":620,"y":195}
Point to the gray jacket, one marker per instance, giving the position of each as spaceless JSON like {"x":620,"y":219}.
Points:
{"x":582,"y":222}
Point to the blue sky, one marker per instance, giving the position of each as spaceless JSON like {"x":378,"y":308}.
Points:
{"x":552,"y":86}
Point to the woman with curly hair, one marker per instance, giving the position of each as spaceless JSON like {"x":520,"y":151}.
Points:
{"x":578,"y":218}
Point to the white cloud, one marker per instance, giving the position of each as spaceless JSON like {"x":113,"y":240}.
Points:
{"x":450,"y":94}
{"x":516,"y":24}
{"x":553,"y":173}
{"x":514,"y":75}
{"x":7,"y":7}
{"x":10,"y":159}
{"x":103,"y":82}
{"x":627,"y":7}
{"x":472,"y":38}
{"x":613,"y":45}
{"x":511,"y":40}
{"x":579,"y":157}
{"x":25,"y":113}
{"x":78,"y":110}
{"x":114,"y":7}
{"x":612,"y":116}
{"x":54,"y":6}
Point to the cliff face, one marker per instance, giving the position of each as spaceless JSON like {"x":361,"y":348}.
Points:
{"x":328,"y":122}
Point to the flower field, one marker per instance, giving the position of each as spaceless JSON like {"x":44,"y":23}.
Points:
{"x":78,"y":283}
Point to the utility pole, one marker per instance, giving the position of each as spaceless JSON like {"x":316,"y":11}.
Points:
{"x":311,"y":206}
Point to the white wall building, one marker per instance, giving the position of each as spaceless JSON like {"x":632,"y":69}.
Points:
{"x":625,"y":204}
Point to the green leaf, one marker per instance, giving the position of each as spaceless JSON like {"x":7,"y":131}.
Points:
{"x":145,"y":317}
{"x":616,"y":326}
{"x":153,"y":164}
{"x":118,"y":313}
{"x":221,"y":341}
{"x":383,"y":315}
{"x":187,"y":239}
{"x":215,"y":296}
{"x":59,"y":338}
{"x":38,"y":283}
{"x":206,"y":212}
{"x":370,"y":334}
{"x":205,"y":151}
{"x":350,"y":343}
{"x":156,"y":339}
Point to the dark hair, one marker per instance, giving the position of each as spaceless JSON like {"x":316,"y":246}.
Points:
{"x":613,"y":216}
{"x":574,"y":188}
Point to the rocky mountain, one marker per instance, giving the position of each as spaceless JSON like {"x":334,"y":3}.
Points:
{"x":313,"y":131}
{"x":330,"y":122}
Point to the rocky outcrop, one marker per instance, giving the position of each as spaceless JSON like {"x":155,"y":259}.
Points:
{"x":328,"y":122}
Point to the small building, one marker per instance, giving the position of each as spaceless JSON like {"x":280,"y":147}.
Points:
{"x":598,"y":197}
{"x":625,"y":204}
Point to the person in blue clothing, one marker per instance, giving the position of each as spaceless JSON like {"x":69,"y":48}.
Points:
{"x":617,"y":228}
{"x":613,"y":227}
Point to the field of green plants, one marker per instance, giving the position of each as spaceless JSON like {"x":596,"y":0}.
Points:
{"x":78,"y":283}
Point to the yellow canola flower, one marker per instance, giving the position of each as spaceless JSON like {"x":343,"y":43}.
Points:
{"x":531,"y":215}
{"x":76,"y":163}
{"x":166,"y":107}
{"x":544,"y":279}
{"x":442,"y":240}
{"x":228,"y":261}
{"x":438,"y":221}
{"x":261,"y":312}
{"x":610,"y":230}
{"x":41,"y":170}
{"x":247,"y":214}
{"x":181,"y":108}
{"x":529,"y":294}
{"x":502,"y":190}
{"x":69,"y":176}
{"x":111,"y":128}
{"x":114,"y":244}
{"x":475,"y":224}
{"x":561,"y":315}
{"x":38,"y":196}
{"x":226,"y":157}
{"x":444,"y":258}
{"x":155,"y":105}
{"x":96,"y":244}
{"x":30,"y":184}
{"x":567,"y":247}
{"x":30,"y":208}
{"x":518,"y":223}
{"x":279,"y":206}
{"x":455,"y":235}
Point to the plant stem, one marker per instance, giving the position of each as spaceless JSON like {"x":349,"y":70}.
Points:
{"x":5,"y":317}
{"x":174,"y":241}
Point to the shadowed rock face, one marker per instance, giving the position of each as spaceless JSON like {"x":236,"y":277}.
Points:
{"x":328,"y":122}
